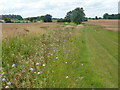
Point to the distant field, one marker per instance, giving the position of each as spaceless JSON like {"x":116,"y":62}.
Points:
{"x":107,"y":24}
{"x":13,"y":29}
{"x":51,"y":55}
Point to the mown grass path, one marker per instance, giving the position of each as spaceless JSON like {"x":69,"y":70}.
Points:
{"x":68,"y":56}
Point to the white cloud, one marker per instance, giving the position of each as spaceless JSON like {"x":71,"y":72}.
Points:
{"x":57,"y":8}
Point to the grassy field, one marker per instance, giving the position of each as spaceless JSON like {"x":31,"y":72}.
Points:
{"x":64,"y":56}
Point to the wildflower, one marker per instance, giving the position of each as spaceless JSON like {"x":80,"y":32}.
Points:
{"x":66,"y":62}
{"x":3,"y":79}
{"x":37,"y":63}
{"x":31,"y":69}
{"x":38,"y":72}
{"x":3,"y":73}
{"x":13,"y":65}
{"x":51,"y":54}
{"x":56,"y":57}
{"x":60,"y":44}
{"x":66,"y":76}
{"x":81,"y":64}
{"x":68,"y":50}
{"x":8,"y":83}
{"x":7,"y":87}
{"x":43,"y":64}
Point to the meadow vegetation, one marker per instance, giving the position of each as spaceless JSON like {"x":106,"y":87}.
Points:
{"x":67,"y":56}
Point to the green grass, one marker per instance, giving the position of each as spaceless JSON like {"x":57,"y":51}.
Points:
{"x":92,"y":46}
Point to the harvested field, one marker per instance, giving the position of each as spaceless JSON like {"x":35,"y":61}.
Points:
{"x":13,"y":29}
{"x":107,"y":24}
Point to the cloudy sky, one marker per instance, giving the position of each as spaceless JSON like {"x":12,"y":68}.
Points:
{"x":57,"y":8}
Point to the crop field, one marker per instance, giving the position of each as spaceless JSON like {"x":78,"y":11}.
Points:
{"x":107,"y":24}
{"x":53,"y":55}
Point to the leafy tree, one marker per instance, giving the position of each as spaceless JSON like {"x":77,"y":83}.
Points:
{"x":42,"y":18}
{"x":77,"y":15}
{"x":31,"y":19}
{"x":47,"y":18}
{"x":67,"y":17}
{"x":100,"y":18}
{"x":105,"y":16}
{"x":8,"y":21}
{"x":96,"y":17}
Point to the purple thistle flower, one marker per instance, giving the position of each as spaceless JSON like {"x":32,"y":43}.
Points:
{"x":13,"y":65}
{"x":38,"y":72}
{"x":66,"y":76}
{"x":8,"y":83}
{"x":56,"y":57}
{"x":7,"y":87}
{"x":3,"y":79}
{"x":3,"y":73}
{"x":37,"y":63}
{"x":31,"y":69}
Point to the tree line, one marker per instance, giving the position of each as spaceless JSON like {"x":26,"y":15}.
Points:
{"x":45,"y":18}
{"x":76,"y":16}
{"x":17,"y":17}
{"x":111,"y":16}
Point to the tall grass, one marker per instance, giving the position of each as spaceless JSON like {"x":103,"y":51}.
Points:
{"x":62,"y":58}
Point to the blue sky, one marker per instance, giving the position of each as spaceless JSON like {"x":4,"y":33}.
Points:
{"x":57,"y":8}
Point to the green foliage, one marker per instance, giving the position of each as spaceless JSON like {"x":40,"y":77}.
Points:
{"x":77,"y":15}
{"x":112,"y":16}
{"x":33,"y":19}
{"x":96,"y":17}
{"x":42,"y":18}
{"x":8,"y":21}
{"x":61,"y":20}
{"x":16,"y":17}
{"x":47,"y":18}
{"x":67,"y":17}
